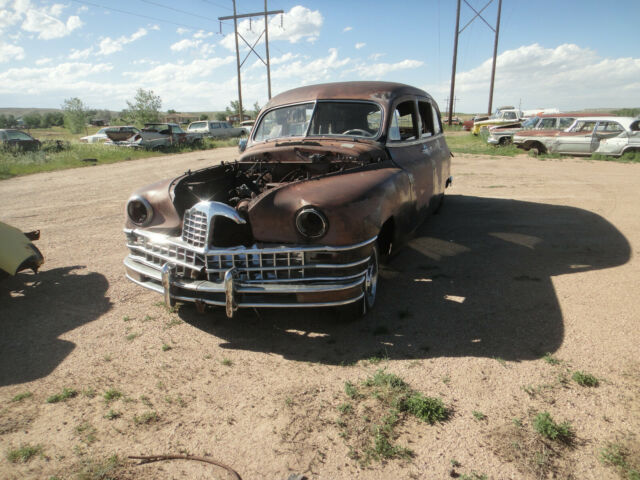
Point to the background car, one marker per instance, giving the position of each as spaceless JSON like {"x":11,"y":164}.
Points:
{"x":98,"y":137}
{"x":18,"y":140}
{"x":583,"y":137}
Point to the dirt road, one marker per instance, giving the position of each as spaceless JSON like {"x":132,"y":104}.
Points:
{"x":526,"y":258}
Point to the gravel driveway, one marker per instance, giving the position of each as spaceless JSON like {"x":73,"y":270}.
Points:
{"x":526,"y":275}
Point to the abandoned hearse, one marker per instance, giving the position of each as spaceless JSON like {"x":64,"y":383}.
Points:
{"x":333,"y":178}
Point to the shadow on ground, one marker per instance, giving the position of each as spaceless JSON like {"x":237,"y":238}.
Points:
{"x":36,"y":310}
{"x":475,"y":281}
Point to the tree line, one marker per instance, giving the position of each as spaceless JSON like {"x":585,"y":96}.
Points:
{"x":144,"y":108}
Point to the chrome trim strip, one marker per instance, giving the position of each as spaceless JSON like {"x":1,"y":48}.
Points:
{"x":161,"y":239}
{"x":162,"y":257}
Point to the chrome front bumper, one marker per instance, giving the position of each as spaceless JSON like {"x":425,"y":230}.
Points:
{"x":244,"y":277}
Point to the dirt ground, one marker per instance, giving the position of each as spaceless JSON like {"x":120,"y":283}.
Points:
{"x":526,"y":258}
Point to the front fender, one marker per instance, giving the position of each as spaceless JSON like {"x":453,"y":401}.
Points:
{"x":356,"y":205}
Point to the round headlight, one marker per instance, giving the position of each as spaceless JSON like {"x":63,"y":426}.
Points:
{"x":139,"y":211}
{"x":311,"y":222}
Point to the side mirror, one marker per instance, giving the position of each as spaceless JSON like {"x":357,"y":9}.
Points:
{"x":242,"y":144}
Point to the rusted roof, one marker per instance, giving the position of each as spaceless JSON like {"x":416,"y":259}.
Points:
{"x":381,"y":92}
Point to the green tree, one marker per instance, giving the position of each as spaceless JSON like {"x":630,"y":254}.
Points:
{"x":52,"y":119}
{"x":145,"y":108}
{"x":32,"y":120}
{"x":204,"y":116}
{"x":221,"y":116}
{"x":233,"y":108}
{"x":75,"y":115}
{"x":256,"y":109}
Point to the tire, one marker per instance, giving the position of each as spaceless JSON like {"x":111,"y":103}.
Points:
{"x":359,"y":309}
{"x":504,"y":141}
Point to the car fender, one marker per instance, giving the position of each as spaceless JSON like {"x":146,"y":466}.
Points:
{"x":16,"y":251}
{"x":356,"y":205}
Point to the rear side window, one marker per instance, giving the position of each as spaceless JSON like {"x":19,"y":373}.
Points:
{"x":547,"y":123}
{"x":403,"y":122}
{"x":565,"y":122}
{"x":197,"y":125}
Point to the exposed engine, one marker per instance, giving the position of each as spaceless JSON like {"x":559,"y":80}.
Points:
{"x":238,"y":183}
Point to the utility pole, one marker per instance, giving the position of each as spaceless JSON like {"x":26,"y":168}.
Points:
{"x":265,"y":32}
{"x":478,"y":14}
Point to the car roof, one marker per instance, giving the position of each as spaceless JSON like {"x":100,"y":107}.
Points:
{"x":381,"y":92}
{"x":624,"y":121}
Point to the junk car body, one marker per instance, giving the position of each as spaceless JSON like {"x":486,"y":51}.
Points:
{"x":502,"y":135}
{"x":216,"y":129}
{"x":583,"y":137}
{"x":153,"y":136}
{"x":334,"y":177}
{"x":17,"y":252}
{"x":18,"y":140}
{"x":502,"y":116}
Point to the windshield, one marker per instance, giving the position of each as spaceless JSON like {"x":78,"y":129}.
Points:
{"x":360,"y":119}
{"x":530,"y":122}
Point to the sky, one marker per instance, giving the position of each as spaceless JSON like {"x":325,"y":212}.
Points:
{"x":571,"y":55}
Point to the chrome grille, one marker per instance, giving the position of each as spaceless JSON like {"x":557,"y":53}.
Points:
{"x":157,"y":254}
{"x":258,"y":266}
{"x":194,"y":228}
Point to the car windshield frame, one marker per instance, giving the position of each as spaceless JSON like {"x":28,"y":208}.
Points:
{"x":310,"y":121}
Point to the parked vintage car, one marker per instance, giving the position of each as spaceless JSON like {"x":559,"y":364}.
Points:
{"x":503,"y":135}
{"x":583,"y":137}
{"x":626,"y":142}
{"x":506,"y":115}
{"x":98,"y":137}
{"x":216,"y":129}
{"x":468,"y":124}
{"x":18,"y":140}
{"x":17,"y":252}
{"x":153,"y":136}
{"x":333,"y":179}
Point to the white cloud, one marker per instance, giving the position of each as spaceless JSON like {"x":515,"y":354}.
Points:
{"x":347,"y":29}
{"x":360,"y":45}
{"x":182,"y":31}
{"x":376,"y":56}
{"x":287,"y":57}
{"x":45,"y":20}
{"x":68,"y":78}
{"x":200,"y":34}
{"x":380,"y":70}
{"x":82,"y":9}
{"x":297,"y":24}
{"x":109,"y":45}
{"x":180,"y":72}
{"x":43,"y":61}
{"x":10,"y":52}
{"x":567,"y":77}
{"x":324,"y":68}
{"x":80,"y":54}
{"x":154,"y":27}
{"x":184,"y":44}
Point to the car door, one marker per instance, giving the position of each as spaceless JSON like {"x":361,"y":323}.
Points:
{"x":413,"y":142}
{"x":577,"y":141}
{"x":604,"y":130}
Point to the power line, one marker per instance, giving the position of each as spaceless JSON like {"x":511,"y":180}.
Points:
{"x":84,"y":2}
{"x":177,"y":10}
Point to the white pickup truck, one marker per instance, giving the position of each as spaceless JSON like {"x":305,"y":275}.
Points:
{"x":217,"y":129}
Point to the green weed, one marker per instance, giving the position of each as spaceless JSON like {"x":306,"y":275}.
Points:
{"x":24,"y":453}
{"x":146,"y":418}
{"x":550,"y":359}
{"x":227,"y":362}
{"x":166,"y":347}
{"x":547,"y":427}
{"x":112,"y":414}
{"x":585,"y":379}
{"x":63,"y":396}
{"x":478,"y":415}
{"x":112,"y":394}
{"x":21,"y":396}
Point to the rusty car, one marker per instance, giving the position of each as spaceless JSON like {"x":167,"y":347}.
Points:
{"x":583,"y":137}
{"x":334,"y":178}
{"x":153,"y":136}
{"x":17,"y":140}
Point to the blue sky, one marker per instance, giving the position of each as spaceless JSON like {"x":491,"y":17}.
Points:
{"x":563,"y":54}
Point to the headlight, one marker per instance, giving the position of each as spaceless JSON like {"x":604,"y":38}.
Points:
{"x":311,"y":222}
{"x":139,"y":211}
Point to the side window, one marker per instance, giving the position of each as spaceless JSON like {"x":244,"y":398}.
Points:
{"x":547,"y":123}
{"x":565,"y":122}
{"x":404,"y":122}
{"x":510,"y":115}
{"x":427,"y":128}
